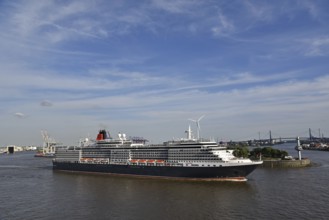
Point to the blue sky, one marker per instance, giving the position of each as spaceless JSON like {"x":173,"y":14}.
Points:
{"x":145,"y":67}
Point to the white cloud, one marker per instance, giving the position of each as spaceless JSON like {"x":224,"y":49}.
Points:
{"x":260,"y":10}
{"x":317,"y":46}
{"x":311,"y":7}
{"x":20,"y":115}
{"x":46,"y":103}
{"x":176,"y":6}
{"x":264,"y":107}
{"x":50,"y":21}
{"x":224,"y":26}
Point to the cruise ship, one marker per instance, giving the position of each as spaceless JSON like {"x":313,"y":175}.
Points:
{"x":184,"y":158}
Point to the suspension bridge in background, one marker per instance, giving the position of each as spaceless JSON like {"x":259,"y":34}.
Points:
{"x":274,"y":139}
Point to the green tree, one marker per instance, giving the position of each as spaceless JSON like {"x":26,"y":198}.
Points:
{"x":241,"y":152}
{"x":255,"y":153}
{"x":268,"y":152}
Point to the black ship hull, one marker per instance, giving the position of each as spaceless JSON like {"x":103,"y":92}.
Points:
{"x":211,"y":173}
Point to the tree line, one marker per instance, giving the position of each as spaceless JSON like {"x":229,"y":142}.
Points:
{"x":265,"y":152}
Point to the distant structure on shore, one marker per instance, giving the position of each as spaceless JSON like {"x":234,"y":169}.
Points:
{"x":291,"y":162}
{"x":10,"y":149}
{"x":280,"y":140}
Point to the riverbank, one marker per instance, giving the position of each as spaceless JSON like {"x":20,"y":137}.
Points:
{"x":278,"y":163}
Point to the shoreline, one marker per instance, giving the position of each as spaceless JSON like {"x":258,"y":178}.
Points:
{"x":273,"y":163}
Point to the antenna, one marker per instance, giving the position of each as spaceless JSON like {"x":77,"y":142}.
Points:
{"x":198,"y":124}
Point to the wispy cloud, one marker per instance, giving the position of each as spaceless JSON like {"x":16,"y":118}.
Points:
{"x":318,"y":46}
{"x":56,"y":23}
{"x":176,"y":6}
{"x":311,"y":8}
{"x":260,"y":11}
{"x":46,"y":103}
{"x":20,"y":115}
{"x":223,"y":27}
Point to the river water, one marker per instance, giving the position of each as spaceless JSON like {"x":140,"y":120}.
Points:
{"x":30,"y":189}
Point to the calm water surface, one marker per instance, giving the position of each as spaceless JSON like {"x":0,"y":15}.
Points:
{"x":30,"y":189}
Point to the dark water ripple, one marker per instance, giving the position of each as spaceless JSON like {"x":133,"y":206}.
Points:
{"x":31,"y":190}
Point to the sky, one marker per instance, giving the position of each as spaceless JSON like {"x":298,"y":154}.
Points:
{"x":146,"y":67}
